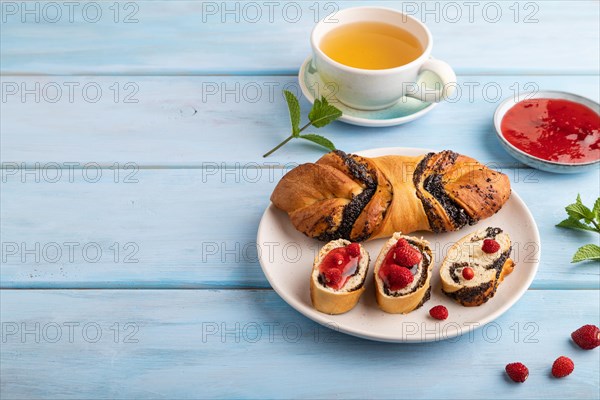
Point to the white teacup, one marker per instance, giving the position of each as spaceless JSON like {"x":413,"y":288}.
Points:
{"x":374,"y":89}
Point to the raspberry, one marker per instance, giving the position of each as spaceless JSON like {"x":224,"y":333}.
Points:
{"x":353,"y":250}
{"x":587,"y":337}
{"x":490,"y":246}
{"x":517,"y":372}
{"x":398,"y":277}
{"x":333,"y":277}
{"x":406,"y":256}
{"x":439,"y":312}
{"x":468,"y":273}
{"x":562,"y":367}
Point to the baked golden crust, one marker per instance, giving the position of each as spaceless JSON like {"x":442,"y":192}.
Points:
{"x":308,"y":184}
{"x":315,"y":196}
{"x":365,"y":172}
{"x":333,"y":303}
{"x":406,"y":212}
{"x":480,"y":191}
{"x":359,"y":198}
{"x":401,"y":305}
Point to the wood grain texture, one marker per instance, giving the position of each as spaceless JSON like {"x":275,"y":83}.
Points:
{"x":197,"y":228}
{"x":202,"y":37}
{"x":200,"y":121}
{"x":181,"y":349}
{"x":184,"y":214}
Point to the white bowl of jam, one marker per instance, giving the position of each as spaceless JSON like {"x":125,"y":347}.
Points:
{"x":551,"y":131}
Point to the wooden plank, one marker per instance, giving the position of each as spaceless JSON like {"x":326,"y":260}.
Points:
{"x":200,"y":121}
{"x":210,"y":37}
{"x":250,"y":344}
{"x":180,"y":228}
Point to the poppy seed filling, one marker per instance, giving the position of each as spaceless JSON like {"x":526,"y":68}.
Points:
{"x":434,"y":186}
{"x":470,"y":294}
{"x":352,"y":210}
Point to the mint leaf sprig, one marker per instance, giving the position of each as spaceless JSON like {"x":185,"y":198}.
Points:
{"x":581,"y":217}
{"x":321,"y":114}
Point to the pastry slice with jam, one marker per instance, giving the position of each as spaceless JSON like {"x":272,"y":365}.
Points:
{"x":338,"y":276}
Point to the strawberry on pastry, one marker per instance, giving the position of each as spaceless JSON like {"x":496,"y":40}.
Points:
{"x":398,"y":277}
{"x":402,"y":274}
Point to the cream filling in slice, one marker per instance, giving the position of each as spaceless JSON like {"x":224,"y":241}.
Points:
{"x":468,"y":253}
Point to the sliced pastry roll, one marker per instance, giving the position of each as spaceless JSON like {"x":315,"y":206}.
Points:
{"x":475,"y":266}
{"x":403,"y":274}
{"x":338,"y":276}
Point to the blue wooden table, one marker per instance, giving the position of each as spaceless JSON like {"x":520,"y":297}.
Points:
{"x":133,"y":184}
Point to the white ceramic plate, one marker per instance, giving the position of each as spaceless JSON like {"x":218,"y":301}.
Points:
{"x":286,"y":257}
{"x":405,"y":110}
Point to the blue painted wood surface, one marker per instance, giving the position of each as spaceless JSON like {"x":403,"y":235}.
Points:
{"x":231,"y":343}
{"x":208,"y":121}
{"x":218,"y":37}
{"x":179,"y":155}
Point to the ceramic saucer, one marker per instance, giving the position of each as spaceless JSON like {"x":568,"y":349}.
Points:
{"x":405,"y":110}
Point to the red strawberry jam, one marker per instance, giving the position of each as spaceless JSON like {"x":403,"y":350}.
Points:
{"x":397,"y":268}
{"x":339,"y":265}
{"x":554,"y":130}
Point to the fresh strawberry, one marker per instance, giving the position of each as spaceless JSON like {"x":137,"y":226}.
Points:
{"x":562,"y":367}
{"x":353,"y":249}
{"x":439,"y":312}
{"x":490,"y":246}
{"x":402,"y":243}
{"x":333,"y":277}
{"x":398,"y":277}
{"x":407,"y":256}
{"x":517,"y":372}
{"x":587,"y":337}
{"x":468,"y":273}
